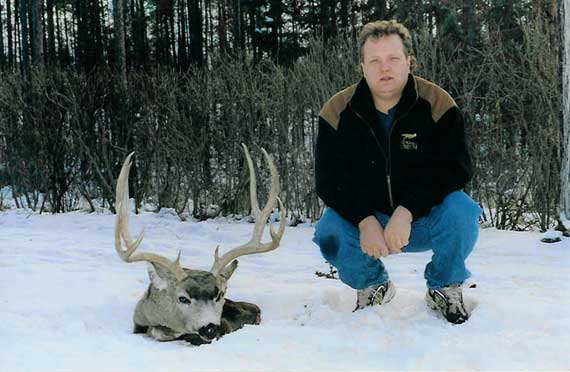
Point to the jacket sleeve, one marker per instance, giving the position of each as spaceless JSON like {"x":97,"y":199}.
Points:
{"x":335,"y":183}
{"x":452,"y":164}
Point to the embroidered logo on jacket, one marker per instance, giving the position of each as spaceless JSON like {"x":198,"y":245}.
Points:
{"x":409,"y":141}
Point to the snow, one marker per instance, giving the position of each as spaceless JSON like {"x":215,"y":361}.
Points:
{"x":67,"y":300}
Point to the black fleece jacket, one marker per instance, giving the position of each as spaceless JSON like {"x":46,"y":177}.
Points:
{"x":359,"y":169}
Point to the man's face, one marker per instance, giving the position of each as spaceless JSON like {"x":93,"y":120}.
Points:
{"x":385,"y":66}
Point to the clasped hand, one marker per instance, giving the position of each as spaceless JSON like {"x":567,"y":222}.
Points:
{"x":378,"y":242}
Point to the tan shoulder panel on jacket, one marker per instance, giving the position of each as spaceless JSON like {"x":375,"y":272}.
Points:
{"x":335,"y":105}
{"x":438,"y":98}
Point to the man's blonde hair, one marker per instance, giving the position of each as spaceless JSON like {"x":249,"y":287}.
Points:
{"x":379,"y":29}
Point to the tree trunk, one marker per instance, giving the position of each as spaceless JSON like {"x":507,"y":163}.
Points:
{"x":182,"y":37}
{"x":162,"y":36}
{"x":255,"y":44}
{"x":37,"y":33}
{"x":276,"y":14}
{"x":469,"y":22}
{"x":344,"y":12}
{"x":209,"y":29}
{"x":195,"y":31}
{"x":68,"y":43}
{"x":80,"y":35}
{"x":25,"y":53}
{"x":60,"y":44}
{"x":104,"y":35}
{"x":96,"y":39}
{"x":9,"y":30}
{"x":52,"y":57}
{"x":142,"y":33}
{"x":222,"y":31}
{"x":565,"y":171}
{"x":238,"y":28}
{"x":119,"y":42}
{"x":17,"y":43}
{"x":2,"y":53}
{"x":172,"y":33}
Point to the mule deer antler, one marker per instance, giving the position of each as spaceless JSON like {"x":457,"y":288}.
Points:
{"x":122,"y":232}
{"x":255,"y":245}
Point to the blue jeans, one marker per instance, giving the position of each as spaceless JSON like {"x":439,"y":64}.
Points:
{"x":450,"y":231}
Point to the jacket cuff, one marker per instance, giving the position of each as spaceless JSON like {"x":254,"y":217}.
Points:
{"x":357,"y":218}
{"x":413,"y":207}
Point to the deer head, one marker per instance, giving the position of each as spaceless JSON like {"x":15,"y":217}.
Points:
{"x":181,"y":301}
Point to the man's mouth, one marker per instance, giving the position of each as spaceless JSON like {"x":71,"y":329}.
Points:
{"x":386,"y":78}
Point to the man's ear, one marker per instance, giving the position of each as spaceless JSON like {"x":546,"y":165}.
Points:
{"x":227,"y":272}
{"x":159,"y":276}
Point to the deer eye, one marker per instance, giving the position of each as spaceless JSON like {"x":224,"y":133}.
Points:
{"x":183,"y":300}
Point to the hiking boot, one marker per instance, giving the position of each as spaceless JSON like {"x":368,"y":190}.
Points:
{"x":377,"y":294}
{"x":449,"y":302}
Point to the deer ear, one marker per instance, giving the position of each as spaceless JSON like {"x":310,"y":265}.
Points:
{"x":159,"y":276}
{"x":227,"y":272}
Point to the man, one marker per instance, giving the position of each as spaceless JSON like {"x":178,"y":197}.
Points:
{"x":391,"y":163}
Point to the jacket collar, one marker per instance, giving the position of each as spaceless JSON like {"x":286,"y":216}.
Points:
{"x":363,"y":103}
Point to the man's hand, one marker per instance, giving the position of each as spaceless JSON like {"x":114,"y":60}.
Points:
{"x":397,"y":233}
{"x":372,"y":238}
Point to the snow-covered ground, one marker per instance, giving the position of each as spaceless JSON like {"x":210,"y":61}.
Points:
{"x":66,"y":303}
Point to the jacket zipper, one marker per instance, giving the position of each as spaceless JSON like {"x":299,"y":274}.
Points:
{"x":387,"y":158}
{"x":390,"y":191}
{"x":389,"y":163}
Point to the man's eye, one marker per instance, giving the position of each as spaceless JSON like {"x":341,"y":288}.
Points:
{"x":220,"y":296}
{"x":184,"y":300}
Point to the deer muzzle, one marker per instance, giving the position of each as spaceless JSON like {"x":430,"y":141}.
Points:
{"x":209,"y":332}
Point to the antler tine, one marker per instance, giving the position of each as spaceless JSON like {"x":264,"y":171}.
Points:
{"x":276,"y":236}
{"x":254,"y":245}
{"x":252,"y":183}
{"x":263,"y":215}
{"x":122,"y":232}
{"x":272,"y":198}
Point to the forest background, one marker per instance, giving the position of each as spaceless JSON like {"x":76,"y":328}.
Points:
{"x":193,"y":79}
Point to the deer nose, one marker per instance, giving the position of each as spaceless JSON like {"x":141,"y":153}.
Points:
{"x":210,"y":331}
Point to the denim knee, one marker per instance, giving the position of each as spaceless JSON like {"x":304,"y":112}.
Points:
{"x":460,"y":210}
{"x":455,"y":225}
{"x":328,"y":233}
